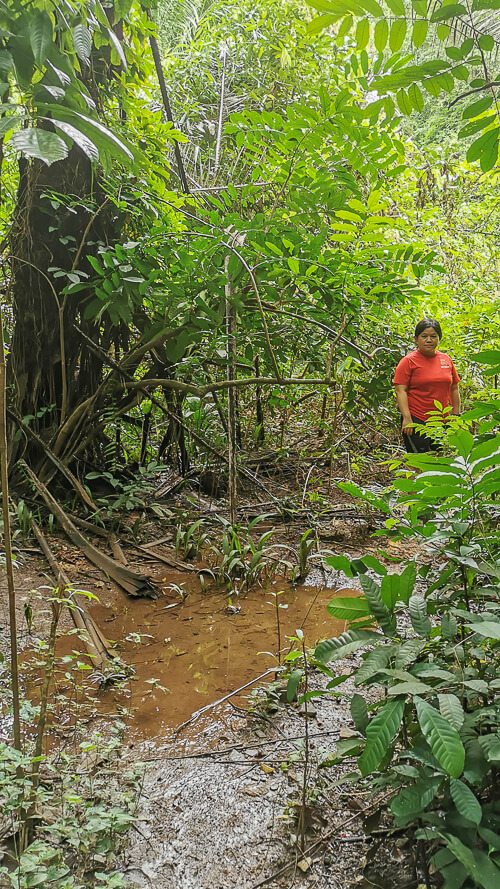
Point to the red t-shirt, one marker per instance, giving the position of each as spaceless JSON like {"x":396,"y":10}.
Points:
{"x":428,"y":380}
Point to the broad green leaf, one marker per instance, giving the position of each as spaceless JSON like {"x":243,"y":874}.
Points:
{"x":6,"y":63}
{"x":321,"y":22}
{"x":11,"y":122}
{"x":486,"y":42}
{"x":40,"y":35}
{"x":409,"y":652}
{"x":293,"y":684}
{"x":412,"y":800}
{"x":490,"y":746}
{"x":96,"y":131}
{"x":463,"y":441}
{"x":359,"y":713}
{"x":418,"y":616}
{"x":486,"y":145}
{"x":484,"y":872}
{"x":379,"y":610}
{"x":465,"y":801}
{"x":404,"y":103}
{"x":348,"y":608}
{"x":432,"y":86}
{"x":380,"y":732}
{"x":397,"y":34}
{"x":443,"y":13}
{"x":79,"y":138}
{"x":489,"y":155}
{"x":374,"y":662}
{"x":396,"y":6}
{"x":407,"y":581}
{"x":373,"y":563}
{"x":117,"y":47}
{"x":345,"y":27}
{"x":452,"y":710}
{"x":346,"y":643}
{"x":412,"y":687}
{"x":47,"y":147}
{"x":82,"y":41}
{"x":340,"y":563}
{"x":381,"y":34}
{"x":477,"y":108}
{"x":442,"y":738}
{"x":389,"y":590}
{"x":372,"y":7}
{"x":487,"y":628}
{"x":419,"y":32}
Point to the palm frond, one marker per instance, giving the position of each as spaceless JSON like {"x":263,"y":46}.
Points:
{"x":474,"y":24}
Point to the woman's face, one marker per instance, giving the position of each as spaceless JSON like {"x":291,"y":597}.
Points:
{"x":427,"y":342}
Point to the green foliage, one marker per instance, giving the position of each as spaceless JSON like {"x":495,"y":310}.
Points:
{"x":469,"y":63}
{"x":38,"y":65}
{"x":433,"y":737}
{"x":90,"y":811}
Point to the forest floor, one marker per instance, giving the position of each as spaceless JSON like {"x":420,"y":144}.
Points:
{"x":234,"y":796}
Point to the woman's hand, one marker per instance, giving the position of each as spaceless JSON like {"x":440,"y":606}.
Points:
{"x":402,"y":399}
{"x":407,"y":425}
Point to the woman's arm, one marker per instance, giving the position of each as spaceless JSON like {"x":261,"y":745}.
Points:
{"x":402,"y":399}
{"x":455,"y":399}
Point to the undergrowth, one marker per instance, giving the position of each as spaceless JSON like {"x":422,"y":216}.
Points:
{"x":429,"y":637}
{"x":64,"y":814}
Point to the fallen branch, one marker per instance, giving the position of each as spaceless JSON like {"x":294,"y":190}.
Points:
{"x":90,"y":527}
{"x":231,"y":694}
{"x":133,"y":583}
{"x":116,"y":549}
{"x":171,"y":562}
{"x":98,"y":647}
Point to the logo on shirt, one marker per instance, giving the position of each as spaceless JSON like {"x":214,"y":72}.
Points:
{"x":444,"y":363}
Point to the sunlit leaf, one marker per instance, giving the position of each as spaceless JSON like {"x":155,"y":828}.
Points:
{"x":47,"y":147}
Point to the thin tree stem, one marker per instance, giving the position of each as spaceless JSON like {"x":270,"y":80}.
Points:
{"x":9,"y":568}
{"x":231,"y":398}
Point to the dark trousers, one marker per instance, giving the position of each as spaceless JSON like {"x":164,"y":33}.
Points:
{"x":419,"y":443}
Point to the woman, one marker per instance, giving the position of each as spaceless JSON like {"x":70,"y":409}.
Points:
{"x":422,"y":378}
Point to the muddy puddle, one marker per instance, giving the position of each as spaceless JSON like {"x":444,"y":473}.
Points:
{"x":189,"y":652}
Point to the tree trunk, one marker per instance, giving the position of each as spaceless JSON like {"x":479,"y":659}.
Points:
{"x":49,"y":367}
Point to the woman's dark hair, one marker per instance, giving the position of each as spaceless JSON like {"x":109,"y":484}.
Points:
{"x":429,"y":322}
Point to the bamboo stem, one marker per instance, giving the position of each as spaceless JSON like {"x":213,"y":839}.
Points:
{"x":9,"y":568}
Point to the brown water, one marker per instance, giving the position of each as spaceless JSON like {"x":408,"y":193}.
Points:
{"x":189,"y":654}
{"x":197,"y":651}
